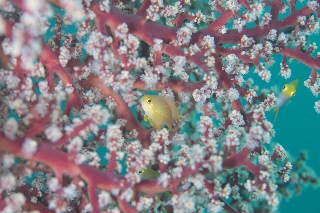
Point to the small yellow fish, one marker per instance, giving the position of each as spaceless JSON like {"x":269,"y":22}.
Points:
{"x":159,"y":111}
{"x":149,"y":174}
{"x":288,"y":91}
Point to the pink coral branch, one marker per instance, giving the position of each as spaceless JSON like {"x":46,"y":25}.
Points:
{"x":306,"y":59}
{"x":93,"y":197}
{"x":30,"y":206}
{"x":124,"y":206}
{"x":60,"y":162}
{"x":143,"y":8}
{"x":176,"y":85}
{"x":122,"y":109}
{"x":203,"y":156}
{"x":112,"y":161}
{"x":237,"y":159}
{"x":150,"y":187}
{"x":50,"y":60}
{"x":233,"y":36}
{"x":76,"y":131}
{"x":137,"y":25}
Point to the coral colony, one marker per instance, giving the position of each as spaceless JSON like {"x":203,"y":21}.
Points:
{"x":73,"y":135}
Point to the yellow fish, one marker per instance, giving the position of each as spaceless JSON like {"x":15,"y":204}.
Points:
{"x":149,"y":174}
{"x":159,"y":111}
{"x":288,"y":91}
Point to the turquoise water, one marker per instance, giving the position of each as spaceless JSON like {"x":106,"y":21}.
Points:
{"x":297,"y":129}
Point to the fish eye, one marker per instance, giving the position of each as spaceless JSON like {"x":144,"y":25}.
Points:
{"x":284,"y":87}
{"x":149,"y":100}
{"x":140,"y":171}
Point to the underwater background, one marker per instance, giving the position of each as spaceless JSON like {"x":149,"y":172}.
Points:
{"x":297,"y":130}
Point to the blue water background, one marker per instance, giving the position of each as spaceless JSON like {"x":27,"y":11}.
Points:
{"x":297,"y":129}
{"x":298,"y":125}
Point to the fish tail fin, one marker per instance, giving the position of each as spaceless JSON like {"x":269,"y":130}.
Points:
{"x":276,"y":111}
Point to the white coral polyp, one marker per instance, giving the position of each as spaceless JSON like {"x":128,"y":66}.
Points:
{"x":29,"y":147}
{"x":53,"y":133}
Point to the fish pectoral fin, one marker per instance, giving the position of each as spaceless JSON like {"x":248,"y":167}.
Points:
{"x":169,"y":126}
{"x":146,"y":118}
